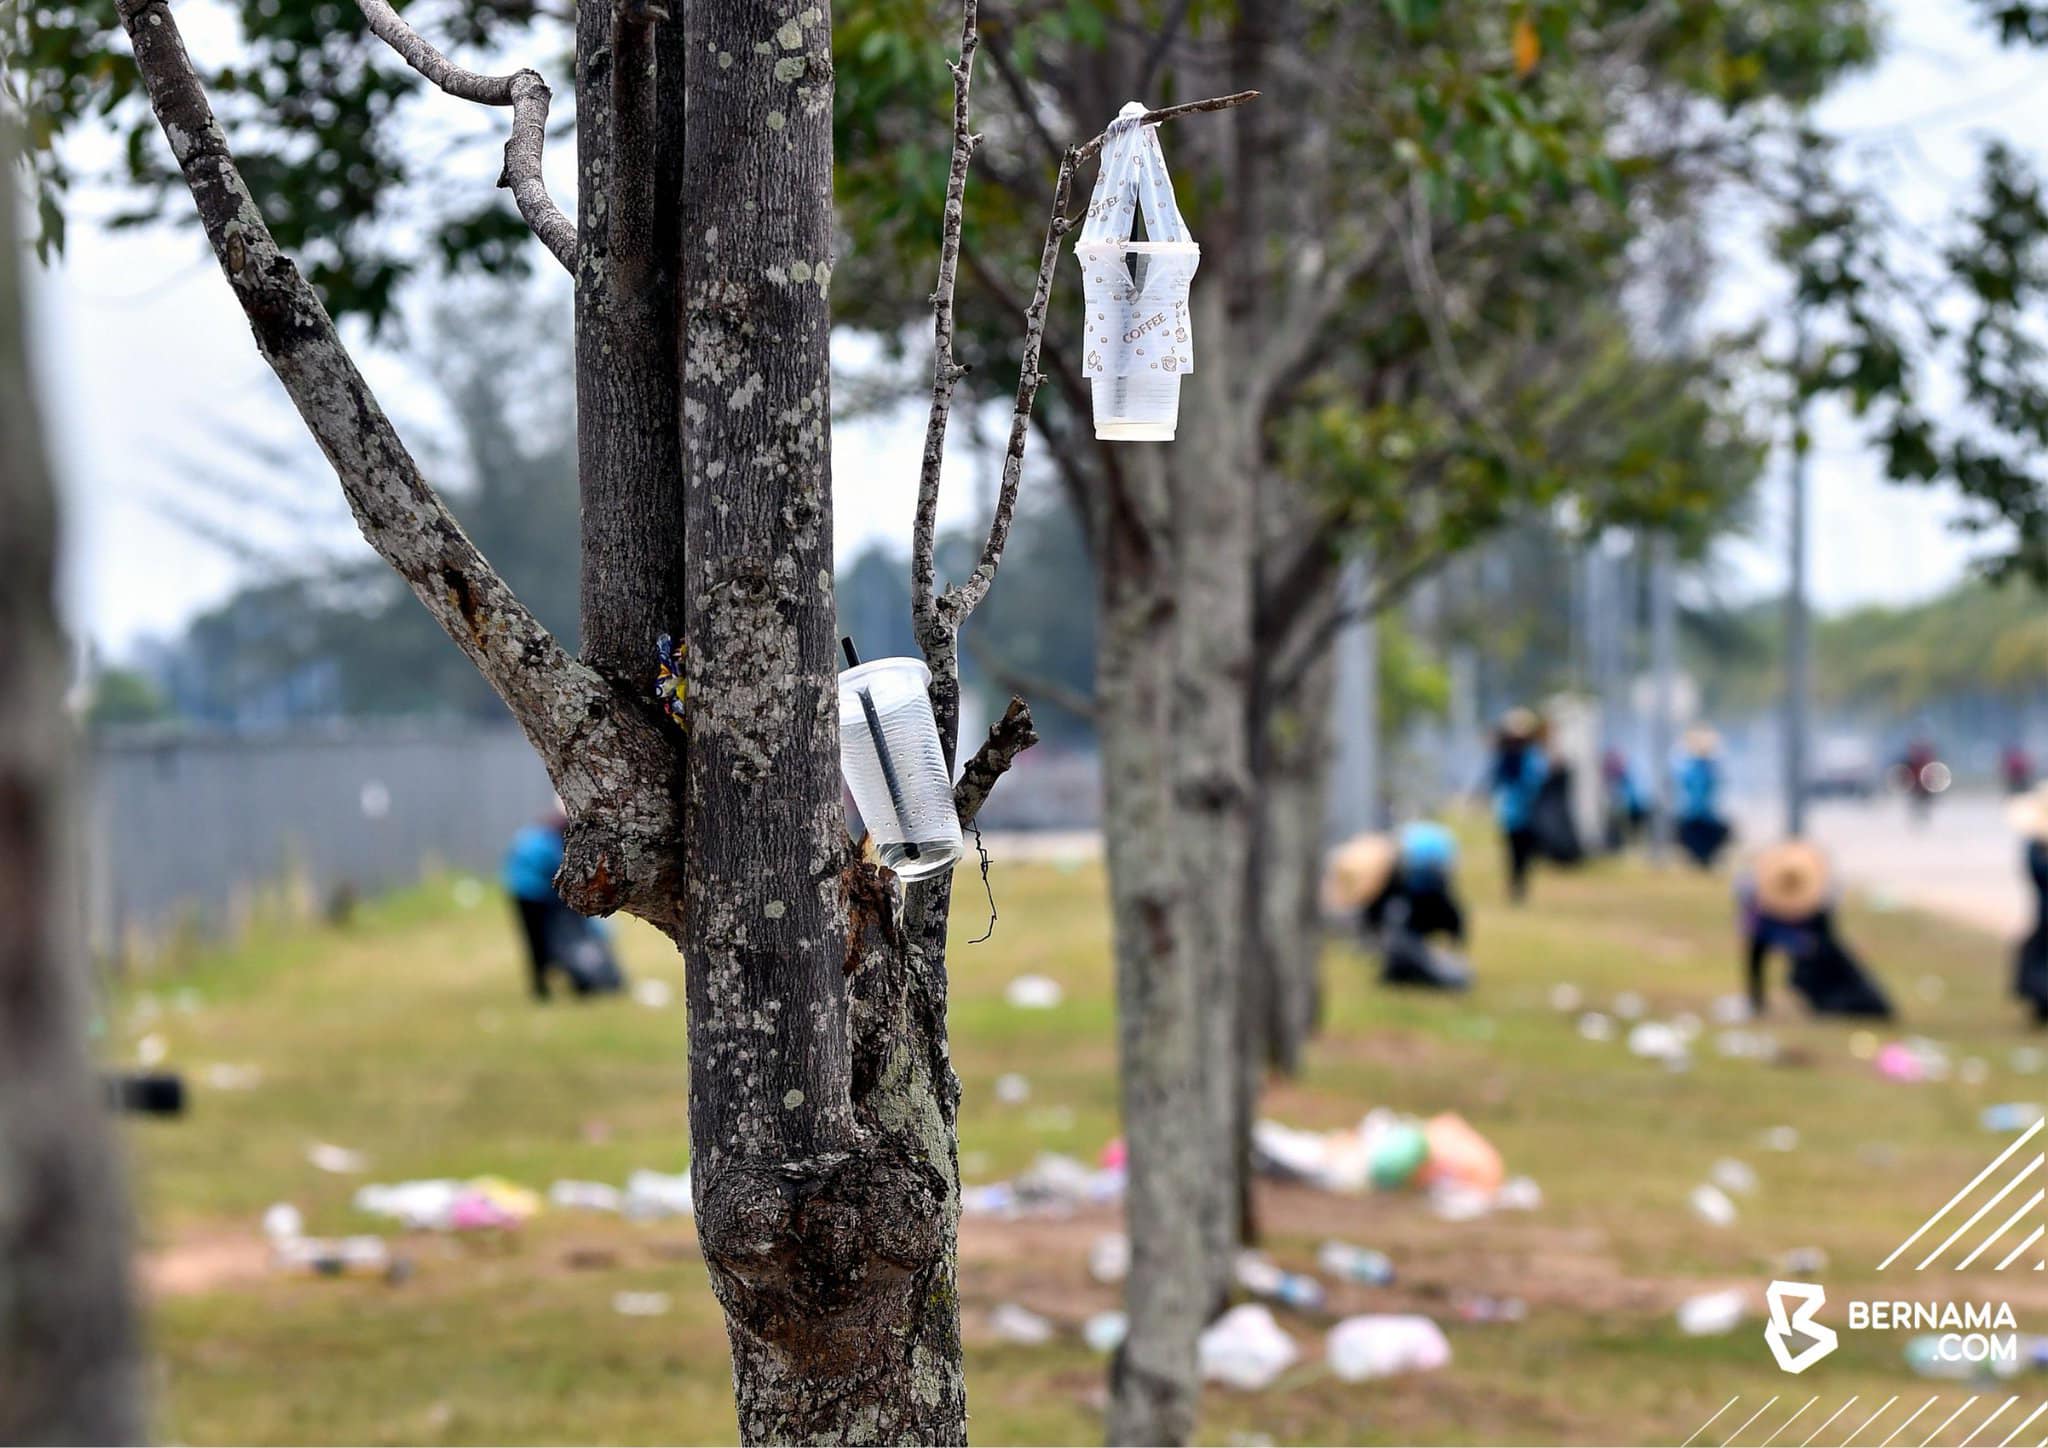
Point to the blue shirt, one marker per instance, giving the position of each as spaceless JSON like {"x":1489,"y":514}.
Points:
{"x":531,"y":863}
{"x":1427,"y":849}
{"x":1516,"y":785}
{"x":1699,"y":782}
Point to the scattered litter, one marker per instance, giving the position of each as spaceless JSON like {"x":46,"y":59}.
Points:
{"x":337,"y":1159}
{"x":1566,"y":998}
{"x":1712,"y":1313}
{"x":1013,"y":1089}
{"x":1454,"y":1202}
{"x":1109,"y":1257}
{"x":1743,"y":1045}
{"x":1630,"y":1006}
{"x":1656,"y":1041}
{"x":152,"y":1049}
{"x":1245,"y":1349}
{"x":1380,"y":1346}
{"x":655,"y":994}
{"x":224,"y":1077}
{"x":1737,"y":1178}
{"x":1914,"y":1059}
{"x":2010,"y":1116}
{"x":1519,"y":1194}
{"x":1729,"y":1010}
{"x":1355,"y":1264}
{"x":1054,"y":1185}
{"x":443,"y":1205}
{"x":640,"y":1304}
{"x":1034,"y":993}
{"x":341,"y":1257}
{"x":283,"y":1222}
{"x":1712,"y":1206}
{"x":1805,"y":1261}
{"x":1261,"y":1276}
{"x":1114,"y":1153}
{"x":586,"y":1196}
{"x":1021,"y":1325}
{"x":1396,"y":1153}
{"x":590,"y":1259}
{"x":1781,"y":1138}
{"x":1104,"y":1332}
{"x":652,"y":1195}
{"x":2026,"y":1060}
{"x":1478,"y":1307}
{"x":1596,"y":1027}
{"x":1336,"y":1161}
{"x":1459,"y":1154}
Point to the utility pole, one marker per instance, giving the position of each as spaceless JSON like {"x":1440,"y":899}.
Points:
{"x":1797,"y":664}
{"x":1663,"y":689}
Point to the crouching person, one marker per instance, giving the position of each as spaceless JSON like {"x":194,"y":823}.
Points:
{"x":1787,"y":904}
{"x":1417,"y":911}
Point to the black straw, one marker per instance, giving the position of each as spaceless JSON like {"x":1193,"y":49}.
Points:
{"x":867,"y":707}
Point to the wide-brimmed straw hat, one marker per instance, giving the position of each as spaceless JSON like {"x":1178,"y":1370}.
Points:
{"x":1792,"y":880}
{"x":1356,"y":872}
{"x":1701,"y":741}
{"x":1520,"y":723}
{"x":2028,"y":813}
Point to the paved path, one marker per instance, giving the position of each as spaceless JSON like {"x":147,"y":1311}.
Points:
{"x":1963,"y":862}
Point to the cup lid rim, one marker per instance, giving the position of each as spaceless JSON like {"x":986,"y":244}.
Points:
{"x":872,"y":667}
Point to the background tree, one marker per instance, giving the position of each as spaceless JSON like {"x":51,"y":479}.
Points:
{"x":70,"y":1362}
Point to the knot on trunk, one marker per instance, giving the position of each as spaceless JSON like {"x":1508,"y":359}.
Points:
{"x":633,"y":865}
{"x":818,"y":1260}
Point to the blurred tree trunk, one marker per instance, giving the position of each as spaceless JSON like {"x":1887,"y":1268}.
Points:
{"x":69,"y":1361}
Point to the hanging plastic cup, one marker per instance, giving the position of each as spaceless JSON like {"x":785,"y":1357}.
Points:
{"x":889,"y":752}
{"x":1137,"y":331}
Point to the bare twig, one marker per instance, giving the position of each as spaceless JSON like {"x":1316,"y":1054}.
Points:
{"x":946,"y":373}
{"x":964,"y":597}
{"x":600,"y":752}
{"x":528,"y":96}
{"x":1007,"y":738}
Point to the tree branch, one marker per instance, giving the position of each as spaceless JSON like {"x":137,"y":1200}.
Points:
{"x":1077,"y":702}
{"x":601,"y":752}
{"x":946,"y":374}
{"x":1007,"y":738}
{"x":528,"y":96}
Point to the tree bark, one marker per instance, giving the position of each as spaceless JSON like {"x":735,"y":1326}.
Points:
{"x":69,"y":1363}
{"x":822,"y":1147}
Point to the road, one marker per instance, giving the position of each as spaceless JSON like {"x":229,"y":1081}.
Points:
{"x":1963,"y":861}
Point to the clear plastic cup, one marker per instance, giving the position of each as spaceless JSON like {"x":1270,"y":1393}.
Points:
{"x":1137,"y":409}
{"x":899,"y":780}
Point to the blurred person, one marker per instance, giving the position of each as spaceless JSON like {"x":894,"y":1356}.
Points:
{"x":1418,"y":904}
{"x":1918,"y":778}
{"x":2029,"y":816}
{"x":557,"y":938}
{"x":1787,"y":904}
{"x":1626,"y":807}
{"x":2016,"y":767}
{"x":1701,"y":830}
{"x":1515,"y":780}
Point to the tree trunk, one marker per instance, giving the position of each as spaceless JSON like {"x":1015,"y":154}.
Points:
{"x":822,"y":1153}
{"x":1154,"y":1386}
{"x":69,"y":1366}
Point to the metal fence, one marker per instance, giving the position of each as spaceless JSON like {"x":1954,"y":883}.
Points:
{"x":188,"y":831}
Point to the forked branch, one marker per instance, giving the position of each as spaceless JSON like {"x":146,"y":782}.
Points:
{"x":600,"y":752}
{"x":528,"y":96}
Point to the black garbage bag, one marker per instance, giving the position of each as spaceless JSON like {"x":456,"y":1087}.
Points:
{"x":582,"y":951}
{"x":2030,"y":967}
{"x":1551,"y":823}
{"x":1408,"y":959}
{"x":1703,"y":837}
{"x":1834,"y":982}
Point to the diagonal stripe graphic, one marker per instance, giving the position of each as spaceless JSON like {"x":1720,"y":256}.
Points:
{"x":2019,"y":1249}
{"x":1831,"y":1418}
{"x":1789,"y":1421}
{"x":1977,"y":1216}
{"x":2019,"y":1141}
{"x":2010,"y":1222}
{"x":2023,"y":1425}
{"x":1746,"y":1422}
{"x":1948,"y":1420}
{"x":1909,"y":1421}
{"x":1872,"y":1419}
{"x":1710,"y":1422}
{"x":1987,"y":1422}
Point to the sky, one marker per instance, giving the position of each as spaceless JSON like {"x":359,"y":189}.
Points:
{"x":150,"y":379}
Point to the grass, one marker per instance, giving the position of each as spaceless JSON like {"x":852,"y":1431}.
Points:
{"x":406,"y":1036}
